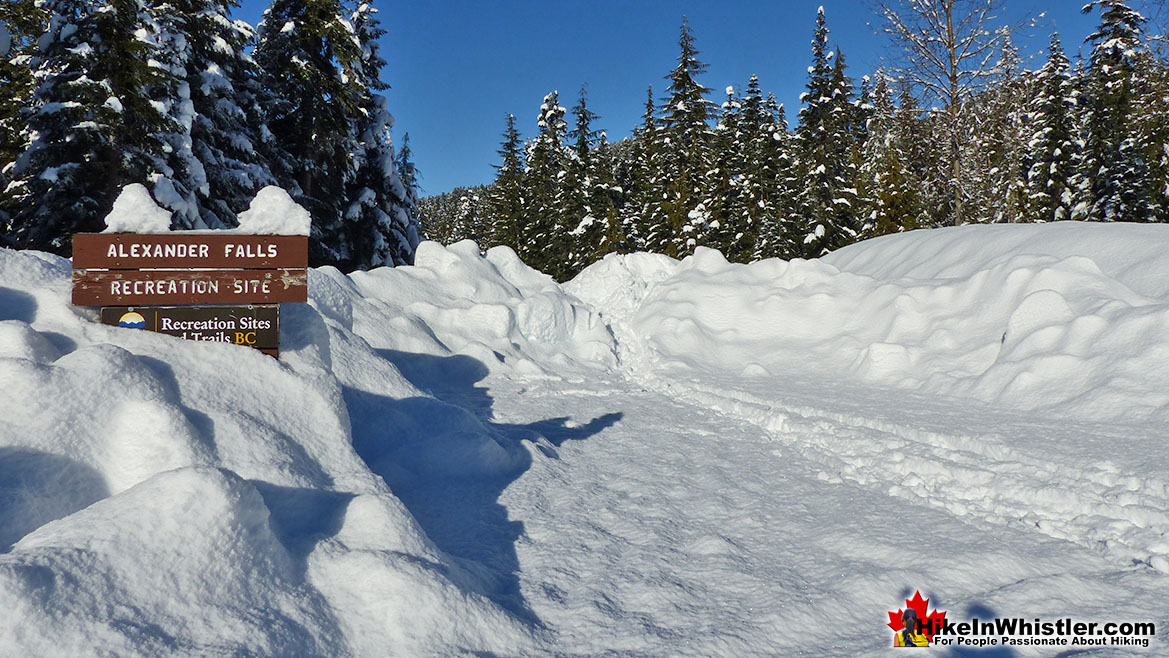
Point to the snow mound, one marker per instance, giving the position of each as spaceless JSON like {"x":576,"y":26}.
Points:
{"x":164,"y":497}
{"x":273,"y":212}
{"x":491,"y":307}
{"x":1067,"y":317}
{"x":135,"y":211}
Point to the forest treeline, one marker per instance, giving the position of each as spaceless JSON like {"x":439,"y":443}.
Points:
{"x":1082,"y":140}
{"x":205,"y":111}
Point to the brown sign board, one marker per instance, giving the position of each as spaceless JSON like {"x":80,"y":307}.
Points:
{"x":144,"y":287}
{"x":256,"y":325}
{"x":188,"y":249}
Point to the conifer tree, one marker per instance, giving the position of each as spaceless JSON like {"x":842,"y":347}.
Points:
{"x":826,"y":151}
{"x":20,"y":22}
{"x":646,"y":230}
{"x":1050,"y":176}
{"x":92,"y":126}
{"x":724,"y":177}
{"x":407,"y":228}
{"x":999,"y":188}
{"x":379,"y":227}
{"x":310,"y":58}
{"x":780,"y":232}
{"x":544,"y":243}
{"x":684,"y":145}
{"x":758,"y":187}
{"x":219,"y":103}
{"x":892,"y":197}
{"x":506,"y":200}
{"x":587,"y":187}
{"x":1115,"y":168}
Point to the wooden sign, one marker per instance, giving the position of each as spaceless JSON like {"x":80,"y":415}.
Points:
{"x":256,"y":325}
{"x":140,"y":277}
{"x":144,"y":287}
{"x":220,"y":250}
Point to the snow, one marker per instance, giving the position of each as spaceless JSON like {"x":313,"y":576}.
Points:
{"x":135,"y":211}
{"x":5,"y":40}
{"x":273,"y":212}
{"x":659,"y":457}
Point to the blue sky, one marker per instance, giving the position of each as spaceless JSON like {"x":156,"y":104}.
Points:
{"x":457,"y":67}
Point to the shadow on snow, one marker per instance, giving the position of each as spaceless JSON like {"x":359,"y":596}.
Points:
{"x":449,"y":463}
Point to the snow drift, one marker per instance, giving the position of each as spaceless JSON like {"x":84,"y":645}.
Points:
{"x":165,"y":497}
{"x":1066,"y":317}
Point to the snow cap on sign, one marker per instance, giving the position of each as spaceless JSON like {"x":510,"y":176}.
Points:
{"x":135,"y":211}
{"x":273,"y":212}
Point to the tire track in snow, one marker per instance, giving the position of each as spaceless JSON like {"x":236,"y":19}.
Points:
{"x":1126,"y":518}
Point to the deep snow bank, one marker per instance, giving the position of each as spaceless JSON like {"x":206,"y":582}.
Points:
{"x":167,"y":497}
{"x":1069,"y":316}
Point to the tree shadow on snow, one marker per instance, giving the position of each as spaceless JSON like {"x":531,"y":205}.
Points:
{"x":449,"y":462}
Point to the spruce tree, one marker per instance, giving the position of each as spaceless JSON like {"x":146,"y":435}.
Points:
{"x":1050,"y":176}
{"x":892,"y":187}
{"x":506,"y":200}
{"x":92,"y":124}
{"x":999,"y":188}
{"x":544,"y":244}
{"x":646,"y":231}
{"x":379,"y":227}
{"x":684,"y":144}
{"x":722,"y":199}
{"x":826,"y":151}
{"x":587,"y":188}
{"x":760,"y":155}
{"x":1115,"y":167}
{"x":20,"y":22}
{"x":407,"y":226}
{"x":310,"y":58}
{"x":780,"y":233}
{"x":220,"y":104}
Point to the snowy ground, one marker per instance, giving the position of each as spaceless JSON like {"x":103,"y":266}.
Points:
{"x":656,"y":459}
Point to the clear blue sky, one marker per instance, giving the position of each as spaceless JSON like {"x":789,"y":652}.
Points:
{"x":457,"y":67}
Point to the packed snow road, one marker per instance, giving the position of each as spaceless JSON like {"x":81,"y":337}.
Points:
{"x":649,"y":524}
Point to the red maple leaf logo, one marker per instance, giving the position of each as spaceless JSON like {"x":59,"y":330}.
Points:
{"x":931,"y":623}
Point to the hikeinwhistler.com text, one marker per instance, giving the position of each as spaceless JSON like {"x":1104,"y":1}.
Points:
{"x":1015,"y":631}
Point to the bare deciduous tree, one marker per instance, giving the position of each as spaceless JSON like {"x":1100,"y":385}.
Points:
{"x":949,"y":49}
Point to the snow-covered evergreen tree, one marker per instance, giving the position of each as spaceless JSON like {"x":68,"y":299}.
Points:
{"x":1115,"y":167}
{"x":544,"y":244}
{"x":780,"y":231}
{"x":311,"y":57}
{"x":380,"y":226}
{"x":645,"y":230}
{"x":585,"y":191}
{"x":759,"y":181}
{"x":998,"y":191}
{"x":407,"y":226}
{"x":219,"y":105}
{"x":1053,"y":144}
{"x":892,"y":187}
{"x":684,"y":147}
{"x":826,"y":151}
{"x":20,"y":24}
{"x":506,"y":200}
{"x":92,"y":125}
{"x":724,"y":177}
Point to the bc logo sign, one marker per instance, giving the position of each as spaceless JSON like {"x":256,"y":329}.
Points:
{"x":132,"y":320}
